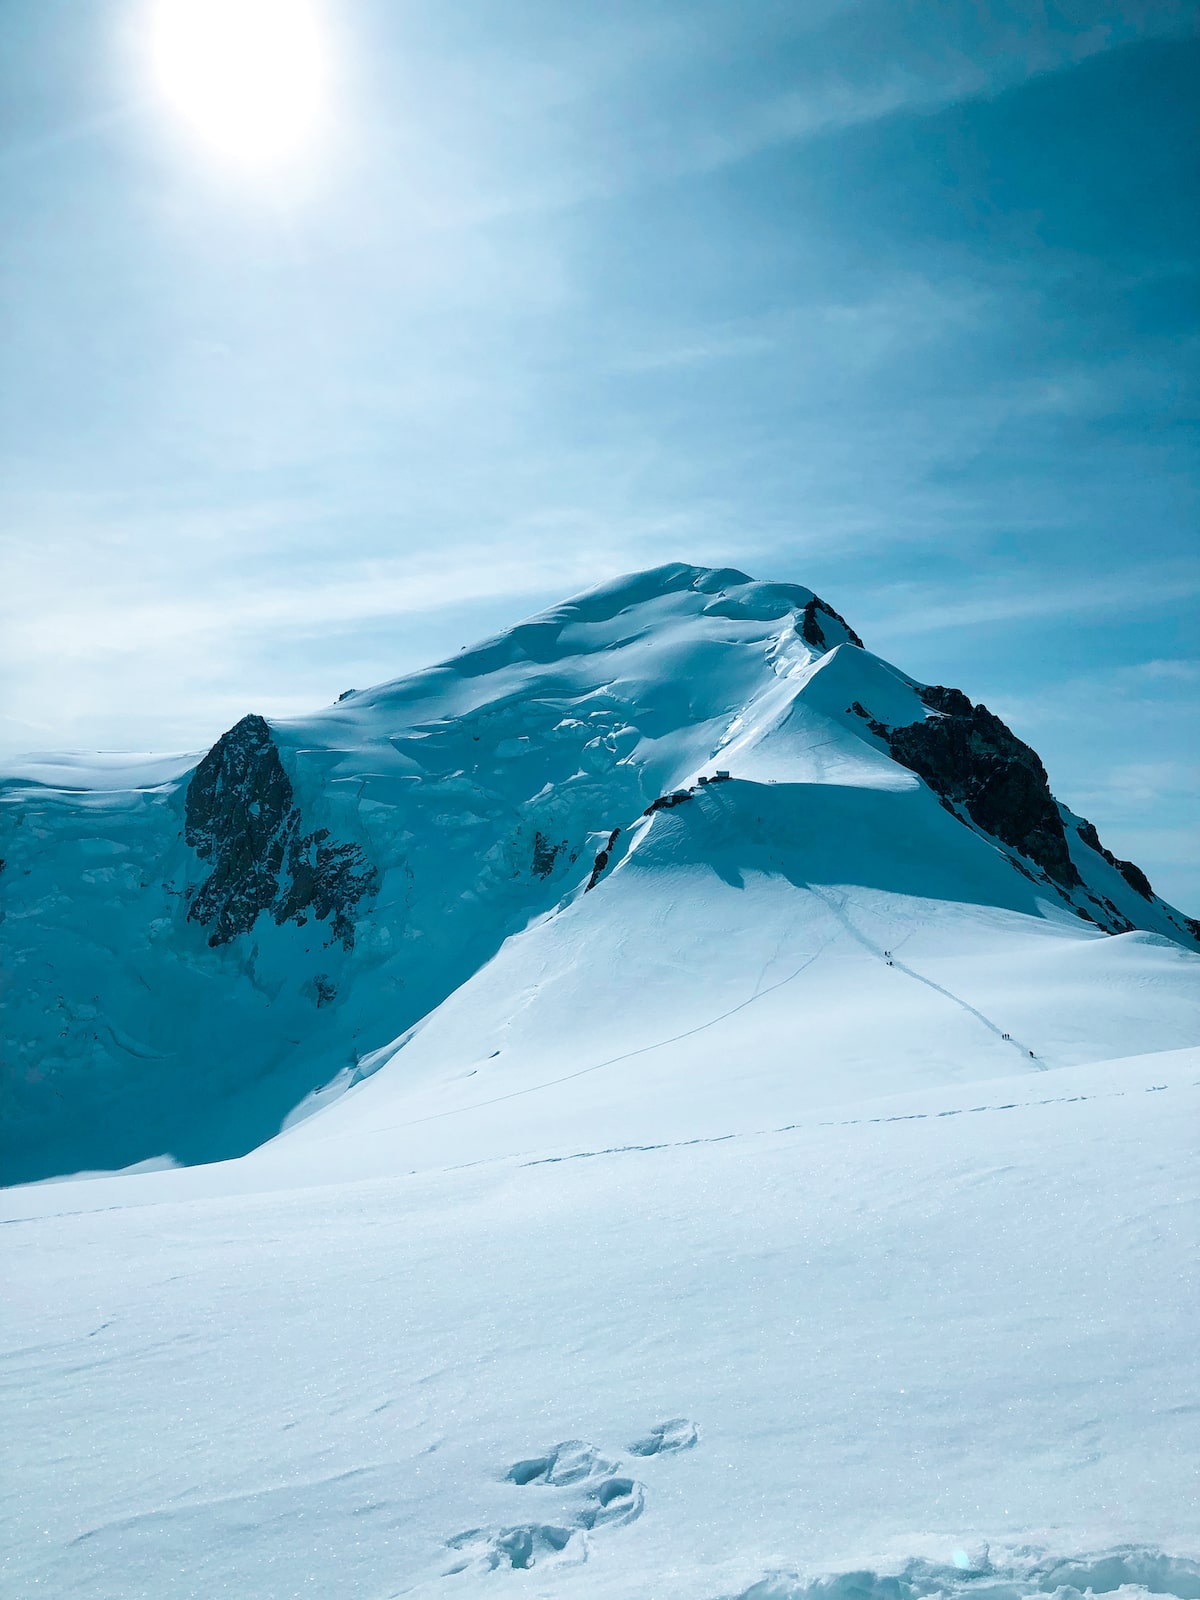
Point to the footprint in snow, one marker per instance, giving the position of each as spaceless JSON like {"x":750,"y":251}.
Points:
{"x":598,"y":1497}
{"x":612,"y":1502}
{"x":678,"y":1434}
{"x":533,"y":1544}
{"x":569,"y":1462}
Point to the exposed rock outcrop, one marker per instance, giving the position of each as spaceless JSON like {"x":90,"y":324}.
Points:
{"x":810,"y":628}
{"x":602,"y":859}
{"x":1133,"y":874}
{"x":969,"y":757}
{"x":666,"y":802}
{"x":545,"y":853}
{"x":241,"y":817}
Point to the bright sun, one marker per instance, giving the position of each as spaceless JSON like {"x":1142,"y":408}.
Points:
{"x":247,"y":76}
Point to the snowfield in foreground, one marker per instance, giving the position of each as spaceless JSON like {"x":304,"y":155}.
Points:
{"x":703,"y":1123}
{"x":953,"y":1328}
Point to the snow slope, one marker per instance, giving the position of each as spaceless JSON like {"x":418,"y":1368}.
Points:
{"x":779,"y":1187}
{"x":949,"y":1334}
{"x":199,"y":949}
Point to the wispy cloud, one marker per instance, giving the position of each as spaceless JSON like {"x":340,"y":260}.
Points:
{"x":716,"y":110}
{"x":905,"y":610}
{"x":124,"y":624}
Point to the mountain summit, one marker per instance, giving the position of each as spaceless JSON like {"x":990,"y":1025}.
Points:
{"x":683,"y":826}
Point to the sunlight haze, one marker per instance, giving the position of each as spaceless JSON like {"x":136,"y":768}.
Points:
{"x":339,"y":335}
{"x":248,"y":76}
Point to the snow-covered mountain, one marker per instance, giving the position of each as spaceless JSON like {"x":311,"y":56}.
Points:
{"x":680,"y":819}
{"x":740,"y":1143}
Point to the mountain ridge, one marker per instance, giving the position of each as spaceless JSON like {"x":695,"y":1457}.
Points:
{"x":268,"y":918}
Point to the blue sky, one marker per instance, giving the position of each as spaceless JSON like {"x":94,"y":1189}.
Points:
{"x":898,"y":301}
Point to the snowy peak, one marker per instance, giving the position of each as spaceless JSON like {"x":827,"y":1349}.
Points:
{"x":662,"y":611}
{"x":203,"y":951}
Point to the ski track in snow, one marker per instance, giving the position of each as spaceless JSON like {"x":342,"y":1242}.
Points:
{"x":842,"y":1122}
{"x":838,"y":909}
{"x":711,"y":1139}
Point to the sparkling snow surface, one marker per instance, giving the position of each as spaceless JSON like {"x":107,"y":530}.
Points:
{"x":809,"y":1210}
{"x":900,"y":1330}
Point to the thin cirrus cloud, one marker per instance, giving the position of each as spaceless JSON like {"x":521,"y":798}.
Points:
{"x":909,"y":611}
{"x":129,"y":624}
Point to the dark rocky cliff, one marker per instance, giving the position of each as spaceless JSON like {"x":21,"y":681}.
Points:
{"x":988,"y":777}
{"x":969,"y":757}
{"x":241,"y":818}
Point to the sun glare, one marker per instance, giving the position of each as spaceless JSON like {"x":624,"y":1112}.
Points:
{"x":248,"y":77}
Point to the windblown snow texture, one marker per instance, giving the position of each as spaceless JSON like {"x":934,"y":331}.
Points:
{"x":203,"y":947}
